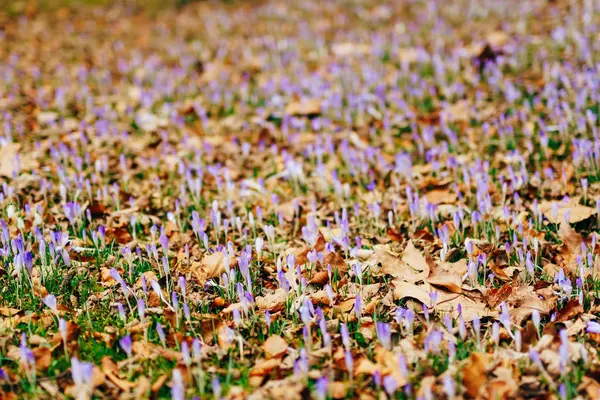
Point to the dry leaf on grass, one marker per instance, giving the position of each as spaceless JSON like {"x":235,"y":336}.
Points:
{"x":450,"y":283}
{"x":441,"y":196}
{"x":346,"y":49}
{"x":403,"y":290}
{"x":275,"y":346}
{"x":9,"y":312}
{"x":304,"y":107}
{"x":577,"y":212}
{"x":474,"y":375}
{"x":412,"y":267}
{"x":569,"y":311}
{"x":43,"y":358}
{"x":8,"y":158}
{"x":273,"y":301}
{"x":109,"y":368}
{"x":211,"y":266}
{"x":415,"y":260}
{"x":338,"y":390}
{"x":263,"y":367}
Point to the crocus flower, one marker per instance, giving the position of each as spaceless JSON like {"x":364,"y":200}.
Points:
{"x":321,"y":388}
{"x":177,"y":387}
{"x":345,"y":335}
{"x":82,"y":373}
{"x":593,"y":327}
{"x":216,"y":388}
{"x":384,"y":334}
{"x":126,"y":343}
{"x":449,"y":386}
{"x":390,"y":385}
{"x":50,"y":302}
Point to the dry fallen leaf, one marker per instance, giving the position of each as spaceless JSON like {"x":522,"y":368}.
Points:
{"x":275,"y":346}
{"x":273,"y":301}
{"x":346,"y":49}
{"x":415,"y":260}
{"x":412,"y":267}
{"x":43,"y":358}
{"x":338,"y":390}
{"x":569,"y":311}
{"x":8,"y":158}
{"x":441,"y":196}
{"x":211,"y":266}
{"x":577,"y":212}
{"x":304,"y":107}
{"x":474,"y":375}
{"x":262,"y":368}
{"x":451,"y":283}
{"x":403,"y":289}
{"x":9,"y":312}
{"x":109,"y":368}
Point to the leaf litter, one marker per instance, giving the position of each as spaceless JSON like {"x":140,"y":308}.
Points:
{"x":293,"y":200}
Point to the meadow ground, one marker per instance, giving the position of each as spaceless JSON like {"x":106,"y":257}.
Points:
{"x":312,"y":199}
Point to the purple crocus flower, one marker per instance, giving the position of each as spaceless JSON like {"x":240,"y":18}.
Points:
{"x":177,"y":387}
{"x":321,"y":388}
{"x":50,"y":302}
{"x":125,"y":342}
{"x":161,"y":333}
{"x":81,"y":372}
{"x":593,"y":327}
{"x":345,"y":335}
{"x":358,"y":306}
{"x":449,"y":386}
{"x":384,"y":334}
{"x":349,"y":361}
{"x":216,"y":388}
{"x":390,"y":385}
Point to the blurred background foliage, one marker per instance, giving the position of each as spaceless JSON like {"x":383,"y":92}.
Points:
{"x":28,"y":7}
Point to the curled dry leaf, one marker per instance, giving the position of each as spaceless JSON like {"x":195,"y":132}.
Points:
{"x":336,"y":261}
{"x":9,"y":312}
{"x":147,"y":350}
{"x":106,"y":279}
{"x":109,"y":368}
{"x":387,"y":364}
{"x":319,"y":278}
{"x":275,"y":346}
{"x":472,"y":305}
{"x":569,"y":311}
{"x":571,"y":239}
